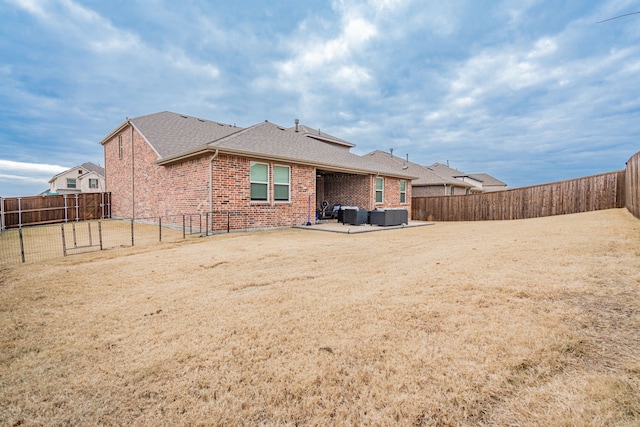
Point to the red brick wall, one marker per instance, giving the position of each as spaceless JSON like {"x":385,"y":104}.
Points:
{"x":183,"y":188}
{"x":392,"y":194}
{"x":359,"y":190}
{"x":348,"y":190}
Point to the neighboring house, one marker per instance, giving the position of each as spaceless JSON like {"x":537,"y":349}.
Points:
{"x":488,"y":182}
{"x":428,"y":183}
{"x":481,"y":181}
{"x":167,"y":164}
{"x":86,"y":178}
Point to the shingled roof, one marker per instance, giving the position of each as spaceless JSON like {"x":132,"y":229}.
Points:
{"x":425,"y":175}
{"x":176,"y":137}
{"x":487,"y":179}
{"x":87,"y":167}
{"x":170,"y":133}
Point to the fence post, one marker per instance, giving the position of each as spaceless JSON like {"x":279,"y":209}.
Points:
{"x":66,"y":217}
{"x":21,"y":244}
{"x":64,"y":242}
{"x":228,"y":222}
{"x":206,"y":223}
{"x":77,"y":208}
{"x":160,"y":228}
{"x":19,"y":214}
{"x":100,"y":233}
{"x":75,"y":241}
{"x":1,"y":214}
{"x":132,"y":240}
{"x":190,"y":224}
{"x":184,"y":236}
{"x":89,"y":229}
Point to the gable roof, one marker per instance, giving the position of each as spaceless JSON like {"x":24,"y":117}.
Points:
{"x":425,"y":175}
{"x":92,"y":167}
{"x":483,"y":178}
{"x":447,"y":171}
{"x":170,"y":133}
{"x":317,"y":134}
{"x":270,"y":141}
{"x":176,"y":137}
{"x":88,"y":166}
{"x":487,"y":179}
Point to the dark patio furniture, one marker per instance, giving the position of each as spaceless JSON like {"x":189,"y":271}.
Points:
{"x":355,"y":216}
{"x":388,"y":217}
{"x":341,"y":210}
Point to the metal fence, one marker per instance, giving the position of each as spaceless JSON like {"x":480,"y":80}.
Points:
{"x":37,"y":243}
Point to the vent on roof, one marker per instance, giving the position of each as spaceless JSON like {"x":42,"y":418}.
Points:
{"x":200,"y":120}
{"x":184,"y":117}
{"x":296,"y":121}
{"x":281,"y":128}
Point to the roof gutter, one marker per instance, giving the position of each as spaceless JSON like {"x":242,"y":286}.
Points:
{"x":211,"y":160}
{"x":325,"y":166}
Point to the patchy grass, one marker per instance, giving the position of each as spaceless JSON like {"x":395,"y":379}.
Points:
{"x":532,"y":322}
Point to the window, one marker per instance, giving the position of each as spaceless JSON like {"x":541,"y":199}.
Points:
{"x":379,"y":190}
{"x":93,"y":183}
{"x":281,"y":183}
{"x":120,"y":148}
{"x":71,"y":183}
{"x":403,"y":191}
{"x":259,"y":182}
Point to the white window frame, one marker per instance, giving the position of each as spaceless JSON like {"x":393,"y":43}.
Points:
{"x":288,"y":184}
{"x":266,"y":183}
{"x":92,"y":180}
{"x":381,"y":191}
{"x":72,"y":181}
{"x":403,"y":194}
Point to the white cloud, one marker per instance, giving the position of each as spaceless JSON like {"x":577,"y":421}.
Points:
{"x":84,"y":26}
{"x":24,"y":178}
{"x":10,"y":165}
{"x":332,"y":60}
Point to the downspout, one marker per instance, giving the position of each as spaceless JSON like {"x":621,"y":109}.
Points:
{"x":133,"y":187}
{"x":215,"y":156}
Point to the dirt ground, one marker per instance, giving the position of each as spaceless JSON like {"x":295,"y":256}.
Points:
{"x":533,"y":322}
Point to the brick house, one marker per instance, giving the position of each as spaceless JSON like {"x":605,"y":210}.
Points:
{"x":438,"y":179}
{"x":167,"y":164}
{"x":428,"y":182}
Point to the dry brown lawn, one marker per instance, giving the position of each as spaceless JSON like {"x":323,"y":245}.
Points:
{"x":520,"y":323}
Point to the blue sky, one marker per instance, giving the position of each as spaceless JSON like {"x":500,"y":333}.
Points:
{"x":528,"y":91}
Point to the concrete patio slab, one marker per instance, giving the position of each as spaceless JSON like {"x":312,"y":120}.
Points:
{"x":334,"y":226}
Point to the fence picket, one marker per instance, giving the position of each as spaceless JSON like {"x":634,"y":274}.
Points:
{"x":564,"y":197}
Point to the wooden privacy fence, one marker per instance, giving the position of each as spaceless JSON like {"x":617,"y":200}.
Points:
{"x":632,"y":185}
{"x":604,"y":191}
{"x":36,"y":210}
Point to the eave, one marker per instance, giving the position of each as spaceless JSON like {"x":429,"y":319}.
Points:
{"x":203,"y":150}
{"x":115,"y":132}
